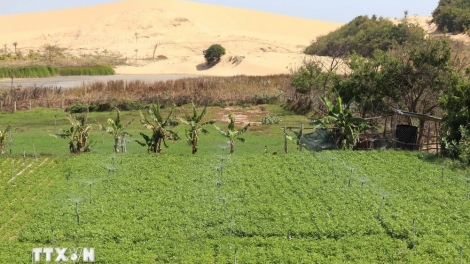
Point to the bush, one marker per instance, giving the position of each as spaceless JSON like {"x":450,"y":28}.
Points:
{"x":213,"y":53}
{"x":452,"y":16}
{"x":364,"y":35}
{"x":87,"y":70}
{"x":77,"y":108}
{"x":269,"y":119}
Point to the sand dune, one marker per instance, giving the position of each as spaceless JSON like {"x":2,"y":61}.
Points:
{"x":257,"y":43}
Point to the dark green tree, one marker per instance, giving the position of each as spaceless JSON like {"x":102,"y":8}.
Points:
{"x":452,"y":15}
{"x":213,"y":53}
{"x":363,"y":82}
{"x":364,"y":35}
{"x":409,"y":77}
{"x":455,"y":101}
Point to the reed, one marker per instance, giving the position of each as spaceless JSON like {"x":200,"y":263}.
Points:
{"x":211,"y":91}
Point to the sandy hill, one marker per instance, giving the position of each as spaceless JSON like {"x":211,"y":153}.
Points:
{"x":257,"y":43}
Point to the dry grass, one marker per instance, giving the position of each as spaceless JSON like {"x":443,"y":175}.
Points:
{"x":221,"y":91}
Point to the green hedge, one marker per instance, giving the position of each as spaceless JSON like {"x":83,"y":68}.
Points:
{"x":90,"y":70}
{"x":48,"y":71}
{"x":25,"y":72}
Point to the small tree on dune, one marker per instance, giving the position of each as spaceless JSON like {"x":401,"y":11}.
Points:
{"x":213,"y":53}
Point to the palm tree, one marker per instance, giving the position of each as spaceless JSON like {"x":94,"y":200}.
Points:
{"x":192,"y":134}
{"x":232,"y":133}
{"x":158,"y":126}
{"x":116,"y":129}
{"x":14,"y":44}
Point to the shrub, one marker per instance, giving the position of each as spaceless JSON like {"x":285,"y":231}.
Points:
{"x":364,"y":35}
{"x":452,"y":16}
{"x":269,"y":119}
{"x":77,"y":108}
{"x":213,"y":53}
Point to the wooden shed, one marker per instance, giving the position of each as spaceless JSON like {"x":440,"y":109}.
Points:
{"x":425,"y":136}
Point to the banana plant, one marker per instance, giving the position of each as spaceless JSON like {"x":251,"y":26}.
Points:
{"x":77,"y":134}
{"x":3,"y":138}
{"x":148,"y":142}
{"x":158,"y":125}
{"x":232,"y":133}
{"x":195,"y":127}
{"x":346,"y":128}
{"x":116,"y":129}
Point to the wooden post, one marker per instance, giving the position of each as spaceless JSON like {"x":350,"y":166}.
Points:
{"x":429,"y":138}
{"x":385,"y":127}
{"x":14,"y":106}
{"x":1,"y":105}
{"x":29,"y":104}
{"x":285,"y":140}
{"x":437,"y":137}
{"x":394,"y":131}
{"x":61,"y":103}
{"x":301,"y":134}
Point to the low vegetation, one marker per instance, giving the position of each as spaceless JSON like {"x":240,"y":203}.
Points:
{"x":386,"y":206}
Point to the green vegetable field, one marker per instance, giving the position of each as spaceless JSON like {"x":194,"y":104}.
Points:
{"x":326,"y":207}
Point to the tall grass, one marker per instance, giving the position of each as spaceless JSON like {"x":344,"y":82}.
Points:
{"x":88,"y":70}
{"x":30,"y":71}
{"x":48,"y":71}
{"x":212,"y":91}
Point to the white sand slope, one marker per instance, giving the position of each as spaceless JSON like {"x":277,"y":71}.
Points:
{"x":257,"y":43}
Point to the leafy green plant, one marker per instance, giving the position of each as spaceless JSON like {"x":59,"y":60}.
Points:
{"x":77,"y":134}
{"x":213,"y":53}
{"x":3,"y":138}
{"x":346,"y":128}
{"x":158,"y":125}
{"x":192,"y":134}
{"x":232,"y":133}
{"x":148,"y":142}
{"x":116,"y":129}
{"x":270,"y":119}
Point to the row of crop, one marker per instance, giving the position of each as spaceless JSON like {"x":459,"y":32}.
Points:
{"x":20,"y":195}
{"x":151,"y":202}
